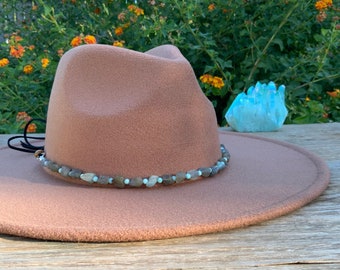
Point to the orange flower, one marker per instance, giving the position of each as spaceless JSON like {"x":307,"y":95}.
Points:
{"x":28,"y":69}
{"x":329,"y":3}
{"x":118,"y":43}
{"x":131,"y":7}
{"x":4,"y":62}
{"x":32,"y":128}
{"x":90,"y":39}
{"x":217,"y":82}
{"x":214,"y":81}
{"x":211,"y":7}
{"x":45,"y":62}
{"x":335,"y":93}
{"x":60,"y":52}
{"x":17,"y":51}
{"x":139,"y":11}
{"x":323,"y":4}
{"x":23,"y":116}
{"x":206,"y":78}
{"x":34,"y":7}
{"x":76,"y":41}
{"x":16,"y":38}
{"x":119,"y":31}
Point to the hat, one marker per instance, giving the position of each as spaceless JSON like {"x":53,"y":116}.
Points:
{"x":133,"y":152}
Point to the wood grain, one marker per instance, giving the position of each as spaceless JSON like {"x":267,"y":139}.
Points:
{"x":309,"y":238}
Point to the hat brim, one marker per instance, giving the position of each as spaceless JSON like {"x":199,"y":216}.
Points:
{"x":265,"y":179}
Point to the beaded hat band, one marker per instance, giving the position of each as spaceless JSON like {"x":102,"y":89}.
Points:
{"x":123,"y":182}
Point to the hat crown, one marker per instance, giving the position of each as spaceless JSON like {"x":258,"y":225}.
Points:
{"x":117,"y":111}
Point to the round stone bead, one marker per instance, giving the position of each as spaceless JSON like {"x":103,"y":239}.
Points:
{"x":64,"y":170}
{"x":214,"y":170}
{"x":153,"y":179}
{"x":103,"y":180}
{"x":42,"y":160}
{"x":180,"y":177}
{"x":221,"y":165}
{"x":206,"y":171}
{"x":118,"y":181}
{"x":136,"y":182}
{"x":226,"y":160}
{"x":226,"y":154}
{"x":167,"y":179}
{"x":54,"y":167}
{"x":75,"y":173}
{"x":223,"y":160}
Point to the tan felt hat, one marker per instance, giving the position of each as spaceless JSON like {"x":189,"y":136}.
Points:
{"x":133,"y":152}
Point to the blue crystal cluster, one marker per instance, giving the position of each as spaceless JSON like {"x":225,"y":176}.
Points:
{"x":262,"y":108}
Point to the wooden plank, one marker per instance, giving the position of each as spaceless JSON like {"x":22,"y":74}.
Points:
{"x":309,"y":238}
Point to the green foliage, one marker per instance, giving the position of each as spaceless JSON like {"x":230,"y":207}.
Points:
{"x":241,"y":42}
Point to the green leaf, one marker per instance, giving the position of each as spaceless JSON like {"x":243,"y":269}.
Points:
{"x":279,"y":42}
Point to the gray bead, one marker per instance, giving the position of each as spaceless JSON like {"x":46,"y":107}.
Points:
{"x":54,"y":167}
{"x":221,"y":165}
{"x":226,"y":154}
{"x":193,"y":175}
{"x":214,"y":170}
{"x":206,"y":171}
{"x":180,"y":177}
{"x":118,"y":181}
{"x":75,"y":173}
{"x":64,"y":171}
{"x":226,"y":160}
{"x":223,"y":160}
{"x":167,"y":179}
{"x":42,"y":160}
{"x":103,"y":180}
{"x":136,"y":182}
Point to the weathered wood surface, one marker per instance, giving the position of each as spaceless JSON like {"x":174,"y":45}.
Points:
{"x":308,"y":238}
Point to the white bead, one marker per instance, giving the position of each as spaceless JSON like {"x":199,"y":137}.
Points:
{"x":88,"y":177}
{"x":152,"y":181}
